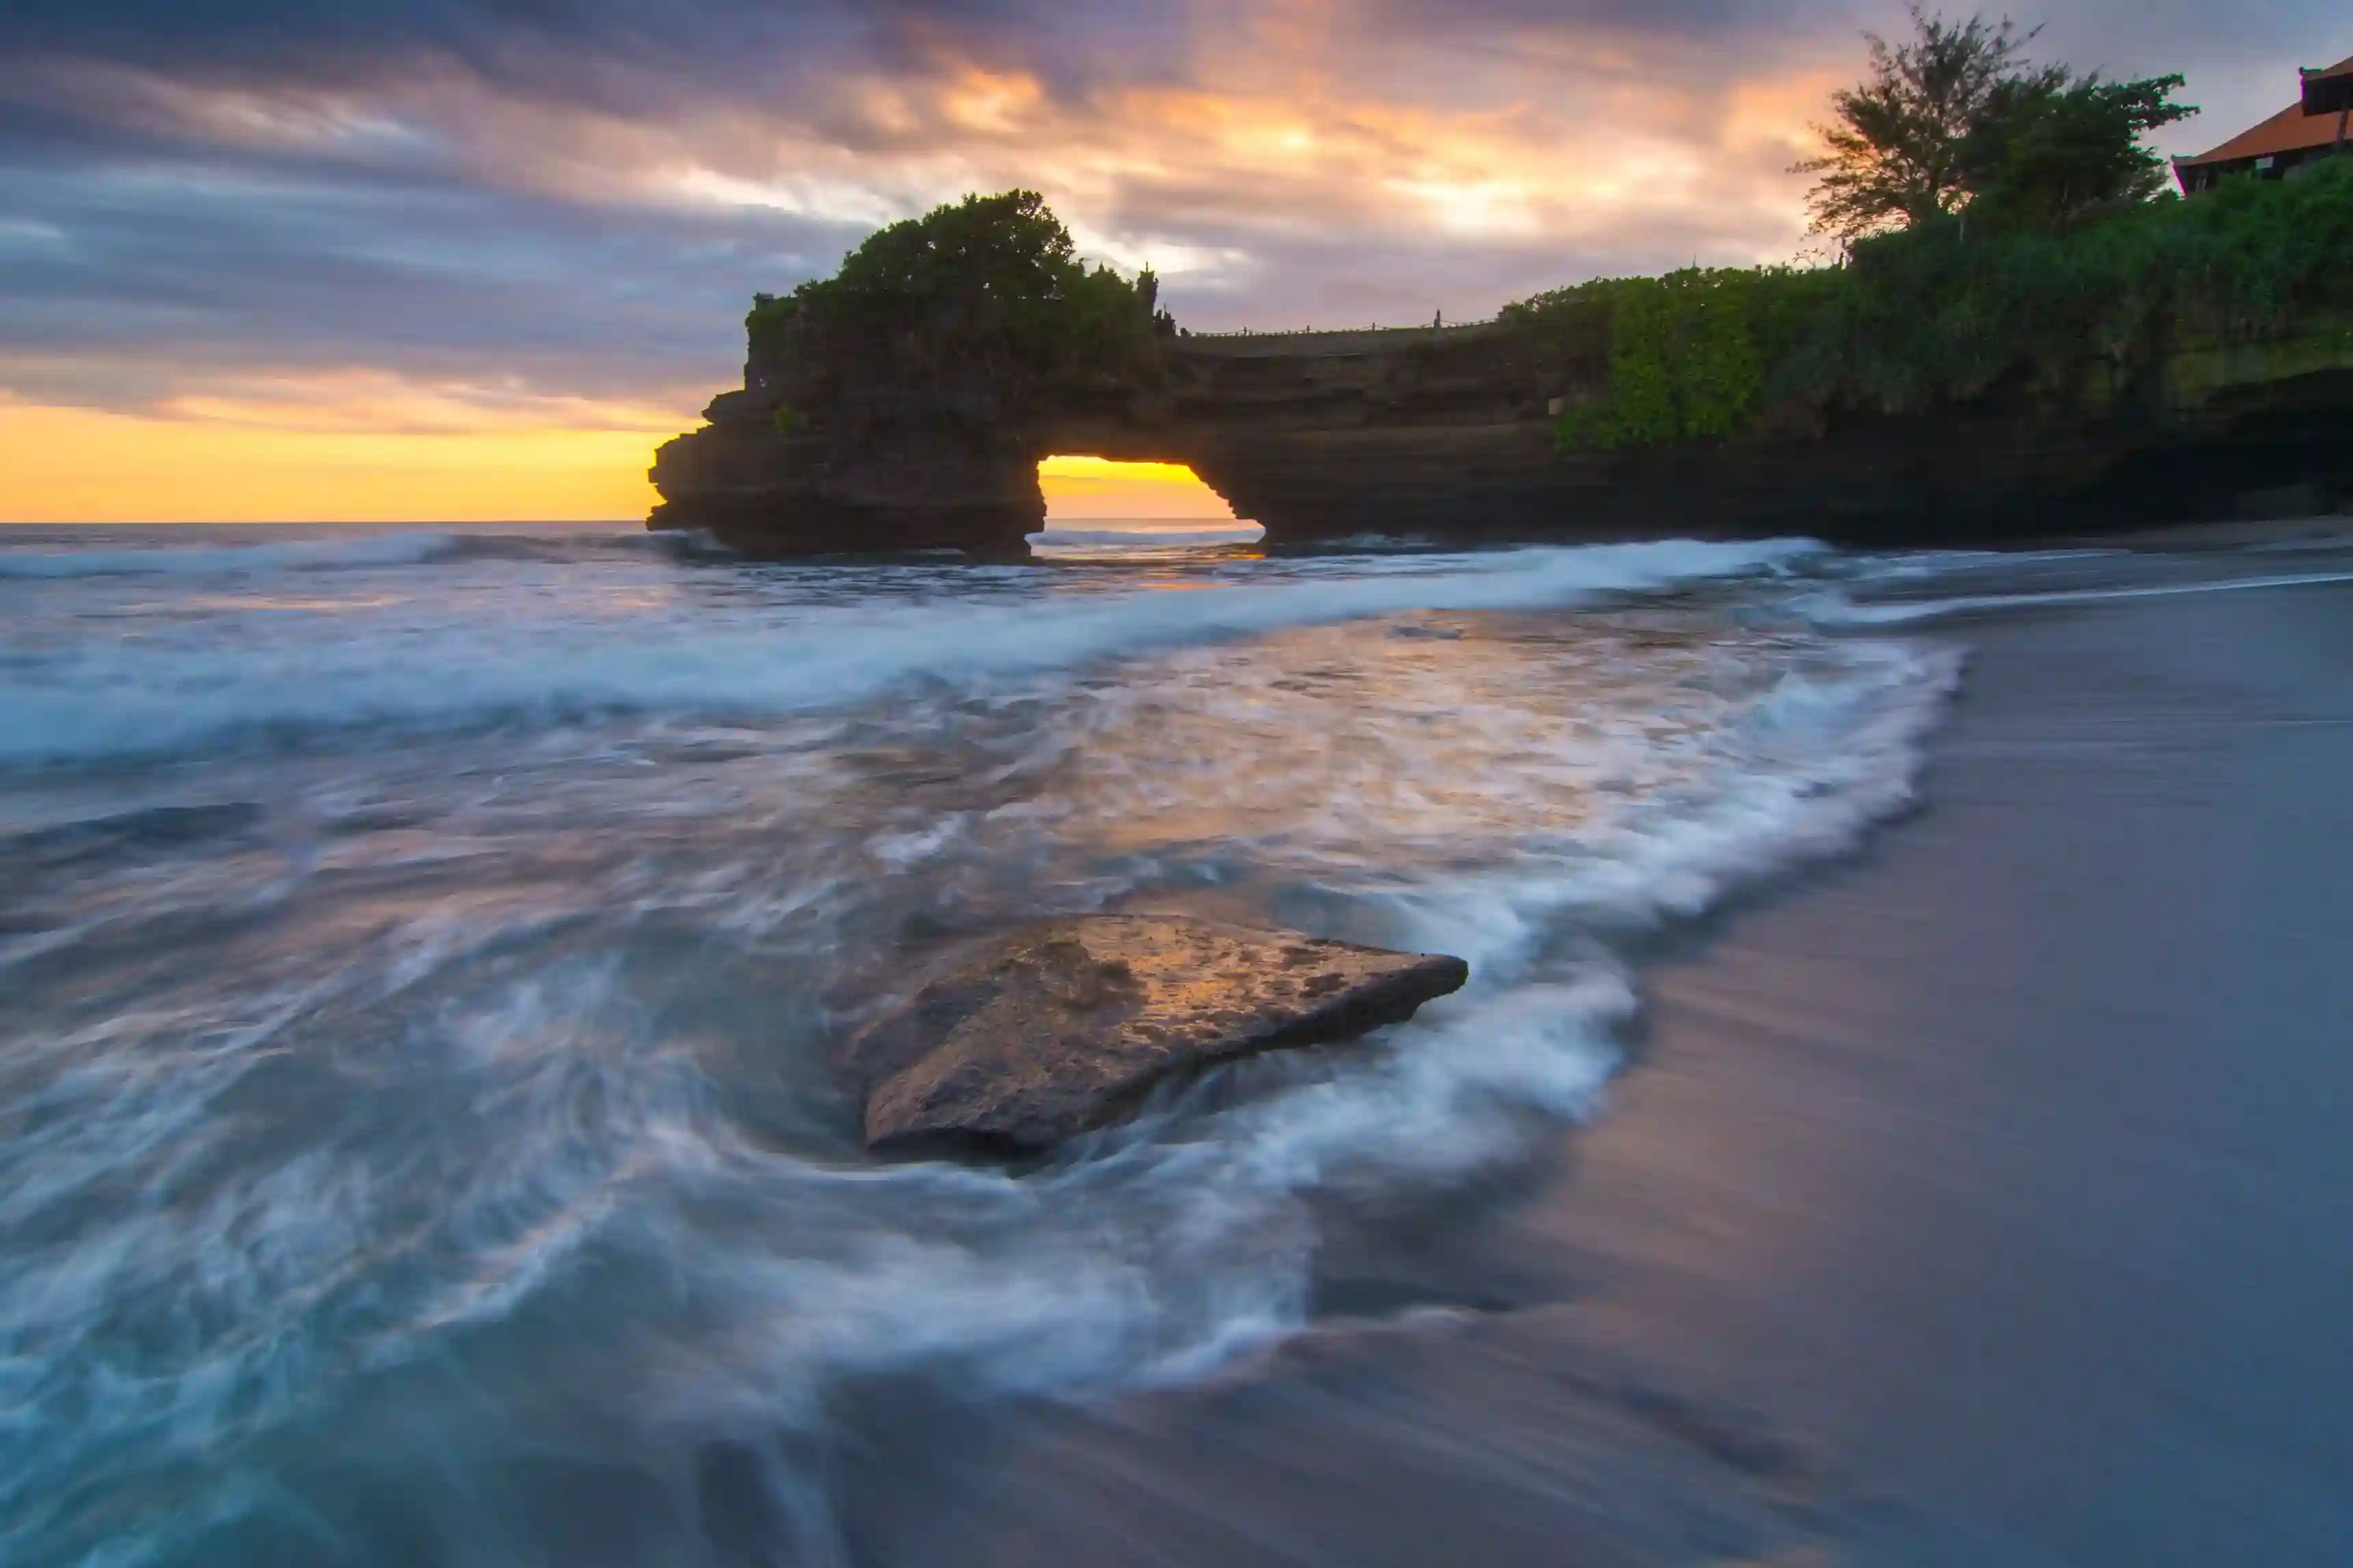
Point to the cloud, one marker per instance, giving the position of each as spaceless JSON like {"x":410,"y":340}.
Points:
{"x":575,"y":198}
{"x":127,"y":278}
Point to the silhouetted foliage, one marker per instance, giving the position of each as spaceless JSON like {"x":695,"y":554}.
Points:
{"x":1953,"y":122}
{"x":1895,"y":155}
{"x":2001,"y":234}
{"x":1922,"y":318}
{"x":2051,"y":146}
{"x":986,"y":294}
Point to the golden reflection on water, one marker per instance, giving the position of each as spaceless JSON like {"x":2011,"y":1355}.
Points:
{"x":660,"y":598}
{"x":267,"y":602}
{"x":1166,"y":559}
{"x":1455,"y":734}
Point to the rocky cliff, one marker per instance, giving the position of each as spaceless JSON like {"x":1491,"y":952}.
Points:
{"x":1450,"y":435}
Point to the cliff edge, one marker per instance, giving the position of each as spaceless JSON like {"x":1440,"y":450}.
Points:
{"x":2151,"y":370}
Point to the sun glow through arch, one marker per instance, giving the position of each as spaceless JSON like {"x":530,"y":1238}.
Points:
{"x":1099,"y":489}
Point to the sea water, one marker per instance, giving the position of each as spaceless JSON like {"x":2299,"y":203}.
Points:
{"x":422,"y":952}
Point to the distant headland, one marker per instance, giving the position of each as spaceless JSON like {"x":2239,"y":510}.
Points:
{"x":2021,"y":336}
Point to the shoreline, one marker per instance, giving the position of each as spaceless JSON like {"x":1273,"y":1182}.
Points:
{"x":1973,"y":1200}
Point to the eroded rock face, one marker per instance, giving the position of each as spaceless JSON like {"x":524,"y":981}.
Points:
{"x":1063,"y":1028}
{"x":1449,"y":435}
{"x":772,"y":495}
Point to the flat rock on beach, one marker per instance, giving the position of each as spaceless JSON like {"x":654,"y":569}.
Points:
{"x":1062,"y":1027}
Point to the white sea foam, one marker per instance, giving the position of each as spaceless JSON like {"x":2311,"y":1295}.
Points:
{"x":1163,"y":1249}
{"x":1841,"y":611}
{"x":1215,"y":534}
{"x":405,"y":547}
{"x":499,"y":1115}
{"x":430,"y":667}
{"x":1169,"y":1245}
{"x":349,"y":550}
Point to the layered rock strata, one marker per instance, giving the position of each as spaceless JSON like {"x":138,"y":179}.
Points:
{"x":1448,"y":435}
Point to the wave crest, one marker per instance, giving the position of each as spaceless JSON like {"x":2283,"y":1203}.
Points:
{"x":839,"y":635}
{"x":360,"y":552}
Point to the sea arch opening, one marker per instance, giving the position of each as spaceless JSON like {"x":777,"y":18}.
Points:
{"x":1113,"y":498}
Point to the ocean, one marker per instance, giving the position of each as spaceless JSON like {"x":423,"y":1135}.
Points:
{"x":422,"y":949}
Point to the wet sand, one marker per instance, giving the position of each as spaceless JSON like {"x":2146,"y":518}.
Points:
{"x":1985,"y":1200}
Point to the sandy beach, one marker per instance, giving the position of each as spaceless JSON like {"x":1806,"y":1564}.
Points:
{"x":1982,"y":1200}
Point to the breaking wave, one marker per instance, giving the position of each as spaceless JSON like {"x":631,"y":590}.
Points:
{"x":435,"y":1126}
{"x":1837,"y":610}
{"x":355,"y":552}
{"x":816,"y":643}
{"x":1140,"y":538}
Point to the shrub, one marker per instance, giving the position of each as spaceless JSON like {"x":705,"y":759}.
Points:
{"x":1935,"y":315}
{"x":979,"y":299}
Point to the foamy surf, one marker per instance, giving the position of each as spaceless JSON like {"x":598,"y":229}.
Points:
{"x":406,"y":548}
{"x":450,"y":1098}
{"x":351,"y":549}
{"x":1843,"y":611}
{"x":797,"y":639}
{"x":1205,"y":536}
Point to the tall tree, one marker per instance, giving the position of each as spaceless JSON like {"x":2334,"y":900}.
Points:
{"x":985,"y":303}
{"x":1894,"y":158}
{"x":2052,"y":146}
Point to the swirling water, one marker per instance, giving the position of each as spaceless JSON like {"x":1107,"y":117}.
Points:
{"x":422,"y":948}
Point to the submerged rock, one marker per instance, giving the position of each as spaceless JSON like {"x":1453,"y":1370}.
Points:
{"x":1064,"y":1026}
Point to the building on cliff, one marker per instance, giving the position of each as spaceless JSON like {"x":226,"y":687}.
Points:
{"x":2311,"y":129}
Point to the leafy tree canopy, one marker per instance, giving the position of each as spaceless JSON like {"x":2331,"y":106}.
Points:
{"x":1953,"y":120}
{"x":986,"y":285}
{"x":2051,"y":146}
{"x":2058,"y":315}
{"x":1895,"y":145}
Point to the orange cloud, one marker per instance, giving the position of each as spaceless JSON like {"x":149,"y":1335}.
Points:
{"x":1569,"y":134}
{"x":1450,"y":168}
{"x":377,"y":402}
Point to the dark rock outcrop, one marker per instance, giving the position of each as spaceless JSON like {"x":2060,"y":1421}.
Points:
{"x":772,"y":495}
{"x":1448,"y":434}
{"x":1064,"y":1026}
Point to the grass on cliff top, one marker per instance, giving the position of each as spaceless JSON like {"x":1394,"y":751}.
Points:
{"x":1936,"y":316}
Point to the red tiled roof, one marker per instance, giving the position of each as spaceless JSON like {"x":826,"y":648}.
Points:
{"x":2289,"y":130}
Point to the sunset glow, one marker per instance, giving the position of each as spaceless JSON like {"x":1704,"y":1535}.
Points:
{"x":74,"y":465}
{"x":255,"y":269}
{"x":1094,"y":488}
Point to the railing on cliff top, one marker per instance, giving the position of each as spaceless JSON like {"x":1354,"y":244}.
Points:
{"x":1338,"y":331}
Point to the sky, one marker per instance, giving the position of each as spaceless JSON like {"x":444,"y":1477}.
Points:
{"x":433,"y":259}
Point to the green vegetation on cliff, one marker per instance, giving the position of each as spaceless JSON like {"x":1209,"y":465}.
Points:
{"x":2001,"y":243}
{"x":1999,"y":237}
{"x":984,"y":293}
{"x":1931,"y":316}
{"x":1690,"y":354}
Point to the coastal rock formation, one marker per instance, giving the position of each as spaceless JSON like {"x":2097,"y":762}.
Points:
{"x":771,"y":494}
{"x":2149,"y":363}
{"x":1064,"y":1026}
{"x":1449,"y":435}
